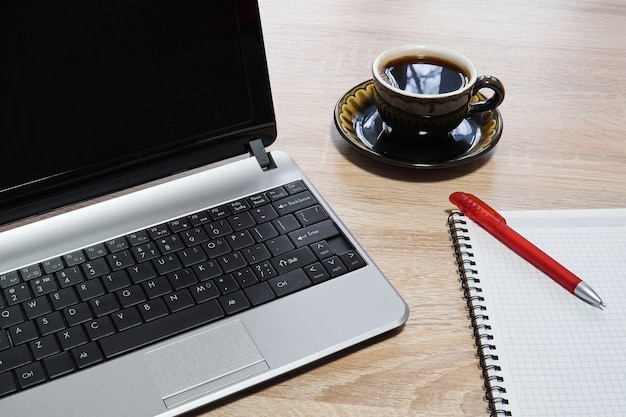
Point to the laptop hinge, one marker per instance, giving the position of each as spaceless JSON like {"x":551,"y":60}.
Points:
{"x":257,"y":149}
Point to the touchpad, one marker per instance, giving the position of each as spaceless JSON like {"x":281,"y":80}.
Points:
{"x":204,"y":363}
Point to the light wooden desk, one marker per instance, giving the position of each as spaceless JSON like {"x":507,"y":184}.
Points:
{"x":564,"y":146}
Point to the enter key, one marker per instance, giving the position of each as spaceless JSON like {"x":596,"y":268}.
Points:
{"x":314,"y":233}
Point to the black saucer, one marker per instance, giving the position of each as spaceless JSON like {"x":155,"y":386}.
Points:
{"x":360,"y":124}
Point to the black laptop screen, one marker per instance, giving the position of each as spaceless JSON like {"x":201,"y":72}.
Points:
{"x":98,"y":95}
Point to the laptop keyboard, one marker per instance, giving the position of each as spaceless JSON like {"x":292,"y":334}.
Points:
{"x":94,"y":304}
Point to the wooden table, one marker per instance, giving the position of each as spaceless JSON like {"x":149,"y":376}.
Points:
{"x":564,"y":146}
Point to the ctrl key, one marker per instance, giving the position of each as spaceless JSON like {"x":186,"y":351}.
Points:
{"x":29,"y":375}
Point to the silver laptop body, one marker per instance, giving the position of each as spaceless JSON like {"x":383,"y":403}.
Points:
{"x":211,"y":361}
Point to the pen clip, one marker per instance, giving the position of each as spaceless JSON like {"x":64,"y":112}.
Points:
{"x":461,"y":200}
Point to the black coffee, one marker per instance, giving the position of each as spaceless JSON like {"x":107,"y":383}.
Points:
{"x":425,"y":75}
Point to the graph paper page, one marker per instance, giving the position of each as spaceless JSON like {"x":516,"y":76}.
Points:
{"x":559,"y":356}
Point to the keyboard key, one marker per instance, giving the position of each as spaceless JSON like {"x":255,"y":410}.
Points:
{"x":70,"y":276}
{"x":288,"y":283}
{"x":234,"y":303}
{"x":207,"y":270}
{"x":59,"y":365}
{"x":104,"y":305}
{"x":74,"y":258}
{"x":311,"y":215}
{"x":10,"y":316}
{"x":9,"y":279}
{"x":131,"y":296}
{"x":352,"y":260}
{"x":44,"y":347}
{"x":167,"y":264}
{"x":137,"y":238}
{"x":194,"y":236}
{"x":99,"y":328}
{"x":240,"y":240}
{"x":30,"y":375}
{"x":14,"y":357}
{"x":218,"y":228}
{"x":158,"y":231}
{"x":31,"y":272}
{"x":226,"y":284}
{"x":277,"y":193}
{"x":36,"y":307}
{"x":95,"y":268}
{"x":178,"y":301}
{"x":204,"y":291}
{"x":77,"y":314}
{"x":116,"y":245}
{"x":334,"y":266}
{"x":87,"y":355}
{"x":53,"y":265}
{"x":127,"y":318}
{"x":263,"y":232}
{"x":90,"y":289}
{"x":295,"y":259}
{"x":63,"y":298}
{"x":95,"y":251}
{"x":182,"y":279}
{"x":238,"y":206}
{"x":294,"y":203}
{"x":220,"y":212}
{"x":43,"y":285}
{"x":50,"y":323}
{"x":316,"y":273}
{"x":232,"y":261}
{"x":72,"y":337}
{"x":280,"y":245}
{"x":259,"y":293}
{"x":121,"y":260}
{"x":216,"y":248}
{"x":322,"y":249}
{"x":295,"y":187}
{"x":5,"y":342}
{"x":23,"y":332}
{"x":169,"y":244}
{"x":192,"y":256}
{"x":286,"y":224}
{"x":157,"y":287}
{"x":313,"y":233}
{"x":142,"y":272}
{"x":160,"y":329}
{"x":241,"y":221}
{"x":153,"y":309}
{"x":145,"y":252}
{"x":264,"y":213}
{"x":17,"y":294}
{"x":7,"y":384}
{"x":116,"y":281}
{"x":245,"y":277}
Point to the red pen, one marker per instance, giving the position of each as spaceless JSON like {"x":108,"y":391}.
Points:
{"x":487,"y":218}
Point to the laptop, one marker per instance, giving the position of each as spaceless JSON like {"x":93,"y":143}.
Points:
{"x":155,"y":257}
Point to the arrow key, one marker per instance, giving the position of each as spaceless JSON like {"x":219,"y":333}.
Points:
{"x":316,"y":273}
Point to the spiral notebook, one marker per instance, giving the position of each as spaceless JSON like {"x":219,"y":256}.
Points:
{"x":542,"y":350}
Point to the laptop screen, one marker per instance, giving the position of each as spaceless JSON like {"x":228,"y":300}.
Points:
{"x":100,"y":96}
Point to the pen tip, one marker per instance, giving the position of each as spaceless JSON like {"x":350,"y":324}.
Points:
{"x":602,"y":304}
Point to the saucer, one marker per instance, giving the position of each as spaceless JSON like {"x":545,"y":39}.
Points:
{"x":360,"y":124}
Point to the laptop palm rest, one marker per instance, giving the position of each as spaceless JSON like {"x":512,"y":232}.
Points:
{"x":208,"y":361}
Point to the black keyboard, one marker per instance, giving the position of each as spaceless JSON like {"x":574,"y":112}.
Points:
{"x":94,"y":304}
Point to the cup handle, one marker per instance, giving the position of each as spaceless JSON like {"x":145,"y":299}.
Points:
{"x":492,"y":83}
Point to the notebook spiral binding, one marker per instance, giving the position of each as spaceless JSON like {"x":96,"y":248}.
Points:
{"x":486,"y":351}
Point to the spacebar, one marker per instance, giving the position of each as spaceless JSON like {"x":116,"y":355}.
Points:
{"x":160,"y":329}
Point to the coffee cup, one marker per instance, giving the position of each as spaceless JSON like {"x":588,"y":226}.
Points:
{"x":426,"y":90}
